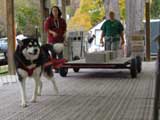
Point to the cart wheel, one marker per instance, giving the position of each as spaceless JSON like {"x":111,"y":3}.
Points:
{"x":133,"y":69}
{"x":76,"y":58}
{"x":76,"y":69}
{"x":63,"y":72}
{"x":139,"y":64}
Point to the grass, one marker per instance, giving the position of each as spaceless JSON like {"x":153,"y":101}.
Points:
{"x":4,"y":70}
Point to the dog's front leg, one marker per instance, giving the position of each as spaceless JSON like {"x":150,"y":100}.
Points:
{"x":39,"y":88}
{"x":34,"y":96}
{"x":23,"y":93}
{"x":54,"y":85}
{"x":22,"y":75}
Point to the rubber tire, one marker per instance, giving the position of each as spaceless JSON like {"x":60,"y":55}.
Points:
{"x":63,"y":72}
{"x":76,"y":69}
{"x":139,"y":64}
{"x":133,"y":68}
{"x":76,"y":58}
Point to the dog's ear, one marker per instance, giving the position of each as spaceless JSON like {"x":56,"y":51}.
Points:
{"x":20,"y":42}
{"x":35,"y":39}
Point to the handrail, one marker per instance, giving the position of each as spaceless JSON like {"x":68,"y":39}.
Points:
{"x":157,"y":38}
{"x":157,"y":83}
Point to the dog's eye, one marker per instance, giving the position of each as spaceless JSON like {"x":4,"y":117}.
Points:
{"x":35,"y":43}
{"x":30,"y":44}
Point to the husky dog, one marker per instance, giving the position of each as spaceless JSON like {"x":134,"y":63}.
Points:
{"x":30,"y":58}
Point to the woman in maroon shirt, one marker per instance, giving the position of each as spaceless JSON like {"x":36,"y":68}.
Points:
{"x":55,"y":26}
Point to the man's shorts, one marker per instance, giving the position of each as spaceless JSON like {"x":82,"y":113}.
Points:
{"x":115,"y":45}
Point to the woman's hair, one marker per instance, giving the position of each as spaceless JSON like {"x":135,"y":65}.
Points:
{"x":59,"y":11}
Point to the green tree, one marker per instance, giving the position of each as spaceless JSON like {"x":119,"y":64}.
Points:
{"x":122,"y":9}
{"x":27,"y":16}
{"x":53,"y":2}
{"x":155,"y":9}
{"x":92,"y":12}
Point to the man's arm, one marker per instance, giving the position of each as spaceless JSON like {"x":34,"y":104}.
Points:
{"x":103,"y":28}
{"x":101,"y":39}
{"x":122,"y":39}
{"x":121,"y":29}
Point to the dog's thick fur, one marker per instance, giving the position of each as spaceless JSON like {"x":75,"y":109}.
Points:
{"x":30,"y":58}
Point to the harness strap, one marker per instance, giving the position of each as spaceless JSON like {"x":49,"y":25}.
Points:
{"x":29,"y":71}
{"x":24,"y":67}
{"x":56,"y":63}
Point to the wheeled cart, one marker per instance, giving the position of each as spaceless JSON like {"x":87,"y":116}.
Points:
{"x":134,"y":64}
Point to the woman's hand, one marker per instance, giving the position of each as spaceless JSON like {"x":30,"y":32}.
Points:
{"x":54,"y":34}
{"x":65,"y":43}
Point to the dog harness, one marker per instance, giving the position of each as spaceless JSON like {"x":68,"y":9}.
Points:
{"x":29,"y":71}
{"x":24,"y":67}
{"x":56,"y":63}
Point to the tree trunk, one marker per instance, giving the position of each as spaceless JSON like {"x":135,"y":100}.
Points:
{"x":44,"y":14}
{"x":106,"y":6}
{"x":112,"y":5}
{"x":139,"y":15}
{"x":134,"y":19}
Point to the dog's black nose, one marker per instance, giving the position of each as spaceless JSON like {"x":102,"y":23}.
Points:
{"x":35,"y":51}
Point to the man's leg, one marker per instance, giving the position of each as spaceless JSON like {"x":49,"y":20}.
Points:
{"x":107,"y":45}
{"x":115,"y":45}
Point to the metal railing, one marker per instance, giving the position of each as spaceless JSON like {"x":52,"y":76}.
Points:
{"x":157,"y":84}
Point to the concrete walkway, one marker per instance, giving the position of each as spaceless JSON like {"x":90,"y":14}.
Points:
{"x":87,"y":95}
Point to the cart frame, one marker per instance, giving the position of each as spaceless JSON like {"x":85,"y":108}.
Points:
{"x":134,"y":64}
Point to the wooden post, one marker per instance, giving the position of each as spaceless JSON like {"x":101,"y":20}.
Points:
{"x":64,"y":9}
{"x":148,"y":31}
{"x":11,"y":35}
{"x":62,"y":5}
{"x":44,"y":14}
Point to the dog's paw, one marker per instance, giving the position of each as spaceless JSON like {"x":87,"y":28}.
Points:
{"x":24,"y":105}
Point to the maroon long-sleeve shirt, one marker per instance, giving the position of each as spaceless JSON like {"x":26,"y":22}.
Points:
{"x":57,"y":26}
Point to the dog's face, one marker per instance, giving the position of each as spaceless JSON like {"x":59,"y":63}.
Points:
{"x":30,"y":48}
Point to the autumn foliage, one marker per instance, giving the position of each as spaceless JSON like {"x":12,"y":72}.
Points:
{"x":90,"y":13}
